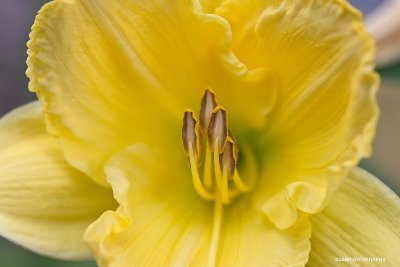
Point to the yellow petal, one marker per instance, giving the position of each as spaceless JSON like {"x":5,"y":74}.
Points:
{"x":209,"y":6}
{"x":45,"y":205}
{"x":161,"y":221}
{"x":325,"y":112}
{"x":106,"y":69}
{"x":249,"y":239}
{"x":361,"y":220}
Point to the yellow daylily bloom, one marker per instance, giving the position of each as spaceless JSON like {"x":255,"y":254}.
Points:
{"x":220,"y":127}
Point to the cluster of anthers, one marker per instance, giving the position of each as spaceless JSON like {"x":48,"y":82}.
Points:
{"x":211,"y":147}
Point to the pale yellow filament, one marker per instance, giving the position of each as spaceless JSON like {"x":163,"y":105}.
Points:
{"x":196,"y":178}
{"x":207,"y":168}
{"x":240,"y":184}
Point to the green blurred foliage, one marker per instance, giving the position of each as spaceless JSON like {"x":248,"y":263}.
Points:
{"x":390,"y":72}
{"x":14,"y":256}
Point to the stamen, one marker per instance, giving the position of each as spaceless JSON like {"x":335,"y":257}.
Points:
{"x":190,"y":131}
{"x":196,"y":178}
{"x":208,"y":104}
{"x":240,"y":184}
{"x":224,"y":187}
{"x":228,"y":160}
{"x":207,"y":167}
{"x":235,"y":147}
{"x":222,"y":181}
{"x":218,"y":128}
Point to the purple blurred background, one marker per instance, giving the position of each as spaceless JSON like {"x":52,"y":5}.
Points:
{"x":16,"y":18}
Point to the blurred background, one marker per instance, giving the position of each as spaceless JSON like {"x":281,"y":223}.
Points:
{"x":382,"y":19}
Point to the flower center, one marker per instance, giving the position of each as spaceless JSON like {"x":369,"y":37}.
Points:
{"x":212,"y":152}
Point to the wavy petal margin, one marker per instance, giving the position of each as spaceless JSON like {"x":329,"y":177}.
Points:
{"x":103,"y":70}
{"x":161,"y":221}
{"x":325,"y":113}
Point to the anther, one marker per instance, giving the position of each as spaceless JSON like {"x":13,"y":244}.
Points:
{"x":235,"y":147}
{"x":208,"y":104}
{"x":219,"y":181}
{"x":218,"y":129}
{"x":190,"y":132}
{"x":228,"y":159}
{"x":209,"y":144}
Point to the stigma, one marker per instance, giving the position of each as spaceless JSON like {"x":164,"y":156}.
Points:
{"x":212,"y":152}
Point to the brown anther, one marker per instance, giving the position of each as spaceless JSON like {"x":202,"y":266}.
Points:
{"x":190,"y":132}
{"x":218,"y":128}
{"x":227,"y":159}
{"x":208,"y":104}
{"x":210,"y":145}
{"x":235,"y":147}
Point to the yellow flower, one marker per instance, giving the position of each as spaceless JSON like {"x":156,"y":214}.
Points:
{"x":197,"y":133}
